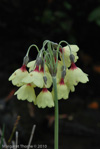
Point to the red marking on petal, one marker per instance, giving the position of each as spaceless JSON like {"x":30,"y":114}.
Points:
{"x":62,"y":81}
{"x":23,"y":68}
{"x":44,"y":90}
{"x":36,"y":69}
{"x":61,"y":50}
{"x":73,"y":66}
{"x":28,"y":84}
{"x":55,"y":59}
{"x":42,"y":69}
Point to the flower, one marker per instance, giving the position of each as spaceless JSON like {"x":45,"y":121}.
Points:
{"x":62,"y":90}
{"x":53,"y":64}
{"x":18,"y":75}
{"x":26,"y":92}
{"x":44,"y":99}
{"x":36,"y":77}
{"x":66,"y":50}
{"x":76,"y":75}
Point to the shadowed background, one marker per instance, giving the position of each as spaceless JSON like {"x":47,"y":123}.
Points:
{"x":23,"y":23}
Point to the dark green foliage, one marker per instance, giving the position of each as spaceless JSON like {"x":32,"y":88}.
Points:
{"x":95,"y":16}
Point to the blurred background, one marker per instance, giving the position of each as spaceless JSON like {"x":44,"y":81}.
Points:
{"x":24,"y":22}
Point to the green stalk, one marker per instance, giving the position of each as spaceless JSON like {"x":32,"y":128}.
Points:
{"x":56,"y":128}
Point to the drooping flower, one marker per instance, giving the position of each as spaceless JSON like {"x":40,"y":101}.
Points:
{"x":62,"y":90}
{"x":18,"y":75}
{"x":36,"y":77}
{"x":66,"y":50}
{"x":44,"y":99}
{"x":76,"y":75}
{"x":26,"y":92}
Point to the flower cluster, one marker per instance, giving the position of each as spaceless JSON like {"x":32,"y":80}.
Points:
{"x":53,"y":60}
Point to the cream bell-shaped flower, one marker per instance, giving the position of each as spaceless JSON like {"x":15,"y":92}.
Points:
{"x":48,"y":76}
{"x":44,"y":99}
{"x":26,"y":92}
{"x":18,"y":75}
{"x":35,"y":77}
{"x":66,"y":50}
{"x":62,"y":90}
{"x":76,"y":75}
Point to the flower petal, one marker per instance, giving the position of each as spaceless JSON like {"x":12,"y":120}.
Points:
{"x":26,"y":92}
{"x":44,"y":99}
{"x":34,"y":77}
{"x":17,"y":77}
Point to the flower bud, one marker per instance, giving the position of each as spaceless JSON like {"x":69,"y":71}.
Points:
{"x":38,"y":61}
{"x":45,"y":79}
{"x":25,"y":60}
{"x":72,"y":58}
{"x":63,"y":74}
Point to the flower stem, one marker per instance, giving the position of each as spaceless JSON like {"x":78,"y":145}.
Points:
{"x":56,"y":114}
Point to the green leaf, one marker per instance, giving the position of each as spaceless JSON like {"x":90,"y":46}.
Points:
{"x":67,"y":5}
{"x":95,"y":16}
